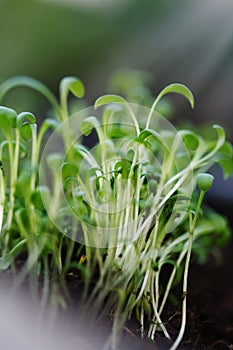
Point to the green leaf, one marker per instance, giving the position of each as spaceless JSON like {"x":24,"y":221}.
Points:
{"x":88,"y":124}
{"x":77,"y":88}
{"x":214,"y":147}
{"x":80,"y":210}
{"x":172,"y":88}
{"x":227,"y":149}
{"x":25,"y":117}
{"x":191,"y":139}
{"x":146,"y":133}
{"x":227,"y":166}
{"x":179,"y":89}
{"x":40,"y":196}
{"x":72,"y":84}
{"x":69,"y":181}
{"x":85,"y":153}
{"x":7,"y":118}
{"x":224,"y":158}
{"x":69,"y":170}
{"x":153,"y":184}
{"x":48,"y":123}
{"x":221,"y":135}
{"x":94,"y":171}
{"x":97,"y":184}
{"x":123,"y":167}
{"x":24,"y":81}
{"x":6,"y":261}
{"x":23,"y":184}
{"x":106,"y":99}
{"x":26,"y":132}
{"x":143,"y":203}
{"x":24,"y":122}
{"x":22,"y":220}
{"x":111,"y":110}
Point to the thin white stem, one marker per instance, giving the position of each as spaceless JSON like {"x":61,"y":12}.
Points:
{"x":192,"y":224}
{"x":184,"y":297}
{"x":156,"y":314}
{"x":171,"y":279}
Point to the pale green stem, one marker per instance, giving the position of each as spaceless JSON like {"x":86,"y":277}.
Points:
{"x":144,"y":284}
{"x":171,"y":279}
{"x":156,"y":314}
{"x":34,"y":157}
{"x":142,"y":322}
{"x":152,"y":110}
{"x":2,"y":197}
{"x":186,"y":270}
{"x":13,"y":177}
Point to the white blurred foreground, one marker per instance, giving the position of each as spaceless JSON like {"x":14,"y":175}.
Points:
{"x":22,"y":328}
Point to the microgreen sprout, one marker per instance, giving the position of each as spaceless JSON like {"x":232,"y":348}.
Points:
{"x":204,"y":182}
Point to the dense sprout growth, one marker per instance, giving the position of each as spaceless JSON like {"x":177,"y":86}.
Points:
{"x":119,"y":211}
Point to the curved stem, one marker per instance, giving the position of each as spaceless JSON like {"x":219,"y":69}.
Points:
{"x":24,"y":81}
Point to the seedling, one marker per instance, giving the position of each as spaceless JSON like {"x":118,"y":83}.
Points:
{"x":130,"y":201}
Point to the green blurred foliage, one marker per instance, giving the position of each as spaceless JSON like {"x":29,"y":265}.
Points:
{"x":187,"y":42}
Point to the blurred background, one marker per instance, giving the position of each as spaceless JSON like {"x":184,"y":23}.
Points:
{"x":174,"y":41}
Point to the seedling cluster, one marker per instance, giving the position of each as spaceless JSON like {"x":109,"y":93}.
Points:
{"x":126,"y":212}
